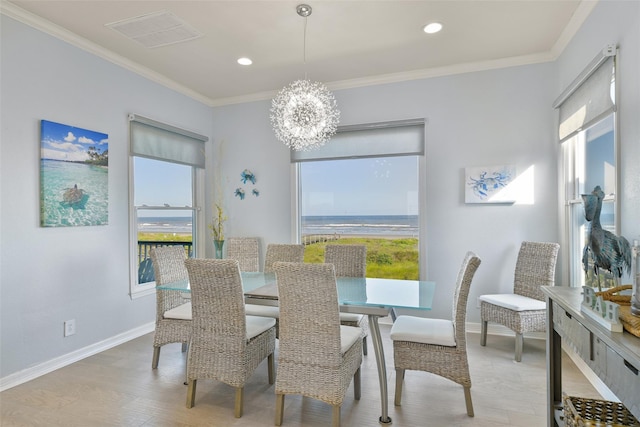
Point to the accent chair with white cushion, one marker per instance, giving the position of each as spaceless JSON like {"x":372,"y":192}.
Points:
{"x":525,"y":309}
{"x":438,"y":346}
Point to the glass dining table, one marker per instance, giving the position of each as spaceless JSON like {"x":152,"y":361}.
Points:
{"x":372,"y":297}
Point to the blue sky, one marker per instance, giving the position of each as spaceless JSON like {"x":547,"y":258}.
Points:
{"x":377,"y":186}
{"x":63,"y":142}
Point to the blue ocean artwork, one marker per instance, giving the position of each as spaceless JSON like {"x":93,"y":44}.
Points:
{"x":74,"y":184}
{"x":255,"y":192}
{"x":484,"y":183}
{"x":239,"y":193}
{"x":247,"y":175}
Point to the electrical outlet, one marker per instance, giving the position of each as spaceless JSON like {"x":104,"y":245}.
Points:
{"x":69,"y":327}
{"x":478,"y":303}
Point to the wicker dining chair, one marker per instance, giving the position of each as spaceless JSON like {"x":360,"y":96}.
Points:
{"x":245,"y":251}
{"x":437,"y":346}
{"x":317,"y":356}
{"x":173,"y":313}
{"x":350,"y":261}
{"x":525,"y":309}
{"x":282,"y":252}
{"x":226,"y":345}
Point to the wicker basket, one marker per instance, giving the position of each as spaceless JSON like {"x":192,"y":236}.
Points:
{"x":581,"y":412}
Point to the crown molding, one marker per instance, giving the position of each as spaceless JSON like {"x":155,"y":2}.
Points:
{"x":581,"y":14}
{"x":73,"y":39}
{"x":404,"y":76}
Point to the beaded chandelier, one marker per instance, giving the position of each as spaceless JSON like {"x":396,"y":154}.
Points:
{"x":304,"y":114}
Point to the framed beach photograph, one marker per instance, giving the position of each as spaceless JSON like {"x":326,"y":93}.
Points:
{"x":489,"y":184}
{"x":74,"y":185}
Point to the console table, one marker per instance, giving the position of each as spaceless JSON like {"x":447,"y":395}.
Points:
{"x":613,"y":356}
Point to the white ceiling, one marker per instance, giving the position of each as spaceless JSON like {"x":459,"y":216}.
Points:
{"x":349,"y":43}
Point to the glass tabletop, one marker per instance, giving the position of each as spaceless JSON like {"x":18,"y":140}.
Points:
{"x":352,"y":291}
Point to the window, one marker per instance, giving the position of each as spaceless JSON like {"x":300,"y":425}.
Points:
{"x":587,"y":133}
{"x":363,"y":187}
{"x":165,"y":186}
{"x":590,"y":162}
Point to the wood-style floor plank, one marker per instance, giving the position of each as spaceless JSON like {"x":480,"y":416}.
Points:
{"x":119,"y":388}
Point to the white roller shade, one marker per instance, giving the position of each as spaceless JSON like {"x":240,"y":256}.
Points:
{"x":160,"y":141}
{"x":590,"y":97}
{"x":399,"y":138}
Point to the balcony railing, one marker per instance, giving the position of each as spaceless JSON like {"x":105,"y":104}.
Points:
{"x":145,"y":267}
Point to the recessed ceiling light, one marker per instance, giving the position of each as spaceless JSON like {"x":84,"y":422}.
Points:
{"x":245,"y":61}
{"x":432,"y":28}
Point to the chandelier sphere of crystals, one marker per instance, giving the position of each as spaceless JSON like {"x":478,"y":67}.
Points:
{"x":304,"y":115}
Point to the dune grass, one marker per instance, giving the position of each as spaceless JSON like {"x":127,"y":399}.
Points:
{"x":389,"y":258}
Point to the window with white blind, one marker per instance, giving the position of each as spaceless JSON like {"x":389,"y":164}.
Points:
{"x":587,"y":132}
{"x":166,"y":181}
{"x":364,"y":187}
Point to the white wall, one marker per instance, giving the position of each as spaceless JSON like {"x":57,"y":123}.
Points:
{"x":478,"y":119}
{"x":49,"y":275}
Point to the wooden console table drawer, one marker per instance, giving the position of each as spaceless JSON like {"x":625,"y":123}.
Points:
{"x":613,"y":356}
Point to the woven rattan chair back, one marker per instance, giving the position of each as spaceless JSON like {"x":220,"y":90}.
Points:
{"x":168,"y":266}
{"x":535,"y":267}
{"x":217,"y":305}
{"x":310,"y":361}
{"x":470,"y":264}
{"x":282,"y":252}
{"x":245,"y":251}
{"x":309,"y":313}
{"x":219,"y":348}
{"x":348,"y":260}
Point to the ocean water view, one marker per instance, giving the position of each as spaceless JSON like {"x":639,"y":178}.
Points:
{"x":58,"y":179}
{"x":369,"y":225}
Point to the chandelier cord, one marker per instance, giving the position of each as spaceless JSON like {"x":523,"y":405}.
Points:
{"x":304,"y":48}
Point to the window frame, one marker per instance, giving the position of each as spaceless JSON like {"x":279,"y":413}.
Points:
{"x":137,"y":290}
{"x":586,"y":106}
{"x":573,"y":200}
{"x":296,"y":188}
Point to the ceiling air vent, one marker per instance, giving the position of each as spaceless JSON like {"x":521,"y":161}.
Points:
{"x":155,"y":29}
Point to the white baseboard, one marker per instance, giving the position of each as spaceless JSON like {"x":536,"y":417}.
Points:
{"x":33,"y":372}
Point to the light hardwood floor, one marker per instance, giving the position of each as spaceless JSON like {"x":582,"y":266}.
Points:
{"x":119,"y":388}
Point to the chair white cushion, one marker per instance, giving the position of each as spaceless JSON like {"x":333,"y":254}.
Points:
{"x":262,"y":310}
{"x":351,"y":317}
{"x":514,"y":302}
{"x":422,"y":330}
{"x":257,"y":325}
{"x":348,"y":336}
{"x":181,"y":312}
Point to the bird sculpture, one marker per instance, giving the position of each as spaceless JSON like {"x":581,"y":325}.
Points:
{"x":607,"y":251}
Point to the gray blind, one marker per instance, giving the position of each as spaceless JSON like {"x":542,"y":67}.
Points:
{"x":590,"y":98}
{"x":160,"y":141}
{"x":398,"y":138}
